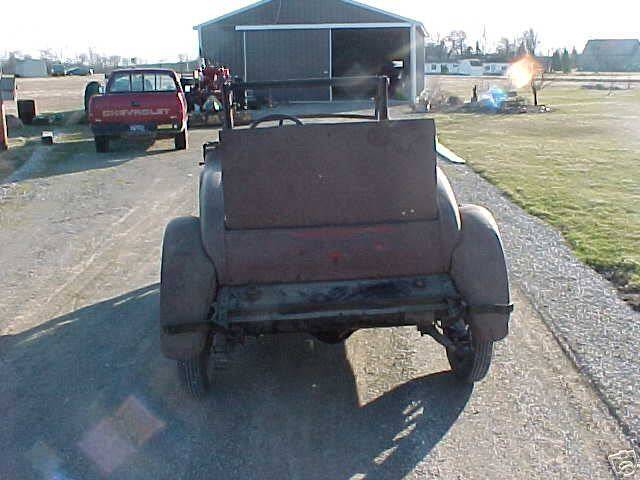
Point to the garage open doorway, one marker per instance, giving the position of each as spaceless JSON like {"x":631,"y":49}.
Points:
{"x":372,"y":51}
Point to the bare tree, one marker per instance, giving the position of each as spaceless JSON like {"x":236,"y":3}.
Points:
{"x":457,"y":39}
{"x":531,"y":41}
{"x":538,"y":83}
{"x":48,"y":55}
{"x":505,"y":47}
{"x":522,"y":49}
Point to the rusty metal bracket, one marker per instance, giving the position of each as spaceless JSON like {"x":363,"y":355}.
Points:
{"x":381,"y":83}
{"x":330,"y":300}
{"x":499,"y":309}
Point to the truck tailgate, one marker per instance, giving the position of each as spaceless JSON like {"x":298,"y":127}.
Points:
{"x":138,"y":108}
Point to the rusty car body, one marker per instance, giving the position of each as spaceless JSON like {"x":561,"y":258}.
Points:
{"x":328,"y":228}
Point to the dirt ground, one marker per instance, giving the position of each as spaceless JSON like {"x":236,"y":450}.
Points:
{"x":86,"y":394}
{"x":53,"y":94}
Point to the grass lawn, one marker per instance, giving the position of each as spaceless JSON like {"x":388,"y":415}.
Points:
{"x":578,"y":167}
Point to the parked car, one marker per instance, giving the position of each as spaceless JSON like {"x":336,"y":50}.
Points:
{"x":139,"y":102}
{"x":82,"y":71}
{"x":328,"y":229}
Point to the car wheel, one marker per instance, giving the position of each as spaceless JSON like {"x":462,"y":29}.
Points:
{"x":471,"y":360}
{"x":102,"y":144}
{"x":333,"y":338}
{"x":194,"y":375}
{"x":181,"y":141}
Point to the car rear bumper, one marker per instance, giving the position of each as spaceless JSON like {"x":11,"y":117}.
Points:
{"x":160,"y":129}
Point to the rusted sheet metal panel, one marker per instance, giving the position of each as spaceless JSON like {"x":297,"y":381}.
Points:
{"x":314,"y":175}
{"x":333,"y":253}
{"x":334,"y":299}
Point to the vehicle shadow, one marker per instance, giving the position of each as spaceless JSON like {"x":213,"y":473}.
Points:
{"x":88,"y":395}
{"x":73,"y":152}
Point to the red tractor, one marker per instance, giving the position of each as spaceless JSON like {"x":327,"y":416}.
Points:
{"x":205,"y":90}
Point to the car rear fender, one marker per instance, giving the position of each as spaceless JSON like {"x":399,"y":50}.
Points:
{"x":480,"y":273}
{"x":187,"y":289}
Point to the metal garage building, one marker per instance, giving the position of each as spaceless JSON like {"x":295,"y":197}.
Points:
{"x":284,"y":39}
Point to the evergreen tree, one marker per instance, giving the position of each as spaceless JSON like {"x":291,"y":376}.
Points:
{"x":574,"y":58}
{"x":566,"y":61}
{"x":556,"y":62}
{"x":478,"y":50}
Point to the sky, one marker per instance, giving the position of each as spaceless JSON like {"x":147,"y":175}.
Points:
{"x":126,"y":28}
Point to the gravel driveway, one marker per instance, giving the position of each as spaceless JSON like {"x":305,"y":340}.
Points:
{"x":85,"y":393}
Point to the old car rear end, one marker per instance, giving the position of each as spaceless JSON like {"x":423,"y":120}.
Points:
{"x":327,"y":229}
{"x":140,"y":102}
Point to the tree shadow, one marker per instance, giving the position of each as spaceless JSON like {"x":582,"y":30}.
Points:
{"x":88,"y":395}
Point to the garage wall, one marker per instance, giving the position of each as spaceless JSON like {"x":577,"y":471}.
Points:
{"x":287,"y":54}
{"x":420,"y":60}
{"x":223,"y":45}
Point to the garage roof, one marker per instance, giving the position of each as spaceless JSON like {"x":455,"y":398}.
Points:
{"x":392,"y":17}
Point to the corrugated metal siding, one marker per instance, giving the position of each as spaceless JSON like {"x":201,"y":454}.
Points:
{"x":286,"y":54}
{"x":225,"y":46}
{"x":306,"y":11}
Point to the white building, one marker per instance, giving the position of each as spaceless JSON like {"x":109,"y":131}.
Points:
{"x":437,"y":68}
{"x":30,"y":67}
{"x":468,"y":67}
{"x":496,"y":68}
{"x":471,"y":67}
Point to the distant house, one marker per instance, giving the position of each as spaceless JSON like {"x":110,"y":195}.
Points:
{"x":604,"y":55}
{"x":444,"y":67}
{"x":496,"y":68}
{"x":468,"y":67}
{"x":471,"y":67}
{"x":30,"y":67}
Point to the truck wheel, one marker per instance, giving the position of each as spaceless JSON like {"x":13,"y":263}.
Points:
{"x":194,"y":375}
{"x":470,"y":362}
{"x":181,"y":141}
{"x":102,"y":144}
{"x":91,"y":90}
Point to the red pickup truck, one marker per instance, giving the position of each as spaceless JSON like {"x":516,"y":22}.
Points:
{"x":139,"y":102}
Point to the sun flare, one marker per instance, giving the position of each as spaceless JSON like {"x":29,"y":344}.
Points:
{"x":523,"y":71}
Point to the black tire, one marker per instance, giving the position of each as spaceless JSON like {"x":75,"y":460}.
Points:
{"x":332,"y":338}
{"x":181,"y":141}
{"x":194,"y":375}
{"x":91,"y":90}
{"x":471,"y":361}
{"x":102,"y":144}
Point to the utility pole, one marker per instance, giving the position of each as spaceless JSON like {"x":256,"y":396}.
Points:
{"x":484,"y":40}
